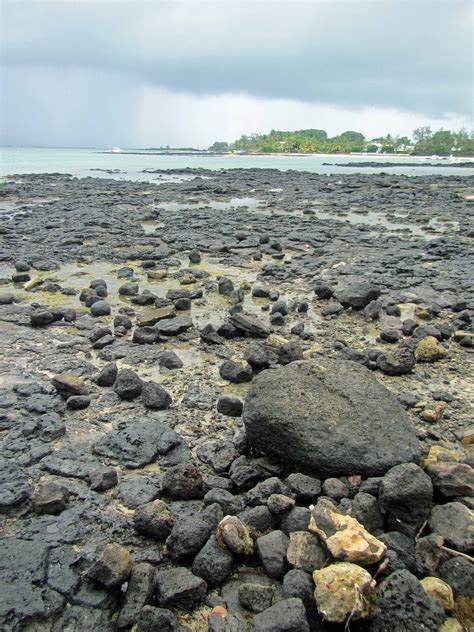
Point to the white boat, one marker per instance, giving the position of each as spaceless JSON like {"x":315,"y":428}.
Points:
{"x":115,"y":150}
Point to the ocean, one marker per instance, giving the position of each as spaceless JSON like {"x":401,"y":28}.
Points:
{"x":85,"y":162}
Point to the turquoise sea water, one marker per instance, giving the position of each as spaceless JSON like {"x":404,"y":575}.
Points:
{"x":82,"y":162}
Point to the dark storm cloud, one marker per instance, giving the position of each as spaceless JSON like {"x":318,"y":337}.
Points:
{"x":410,"y":55}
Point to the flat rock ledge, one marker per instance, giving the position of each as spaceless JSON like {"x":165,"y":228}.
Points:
{"x":329,"y":416}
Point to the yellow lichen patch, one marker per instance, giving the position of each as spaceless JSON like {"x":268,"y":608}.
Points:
{"x":439,"y":590}
{"x":344,"y":590}
{"x":429,"y":350}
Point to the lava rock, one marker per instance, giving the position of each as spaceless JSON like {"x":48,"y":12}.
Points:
{"x":357,"y":293}
{"x":213,"y":563}
{"x":152,"y":619}
{"x":331,"y":416}
{"x":249,"y":325}
{"x":406,"y":494}
{"x":236,"y":372}
{"x":285,"y":615}
{"x":404,"y":605}
{"x":139,"y":591}
{"x":69,"y":384}
{"x":458,"y":572}
{"x":305,"y":488}
{"x":107,"y":375}
{"x":50,"y":498}
{"x":183,"y":481}
{"x":128,"y":385}
{"x":103,"y":478}
{"x":41,"y":318}
{"x":179,"y":588}
{"x":155,"y":396}
{"x":272,"y":552}
{"x":230,"y":405}
{"x":455,"y":522}
{"x":100,"y":308}
{"x":154,"y":519}
{"x":112,"y":567}
{"x":78,"y":402}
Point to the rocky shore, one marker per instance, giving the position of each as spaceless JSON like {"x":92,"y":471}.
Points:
{"x":236,"y":401}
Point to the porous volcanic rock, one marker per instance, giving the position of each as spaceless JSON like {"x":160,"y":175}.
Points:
{"x":331,"y":416}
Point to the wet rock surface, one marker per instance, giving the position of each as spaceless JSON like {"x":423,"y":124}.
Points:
{"x":187,"y":366}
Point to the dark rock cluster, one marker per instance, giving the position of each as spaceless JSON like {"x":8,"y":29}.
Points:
{"x":248,"y":419}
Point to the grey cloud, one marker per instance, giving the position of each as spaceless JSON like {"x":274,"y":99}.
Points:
{"x":414,"y":55}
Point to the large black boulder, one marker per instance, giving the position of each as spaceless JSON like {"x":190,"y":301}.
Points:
{"x":330,"y":416}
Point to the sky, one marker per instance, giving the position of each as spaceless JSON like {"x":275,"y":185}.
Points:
{"x":89,"y":73}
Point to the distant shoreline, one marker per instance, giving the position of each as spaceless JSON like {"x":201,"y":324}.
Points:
{"x":374,"y":157}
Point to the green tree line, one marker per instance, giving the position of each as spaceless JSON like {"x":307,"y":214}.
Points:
{"x":307,"y":141}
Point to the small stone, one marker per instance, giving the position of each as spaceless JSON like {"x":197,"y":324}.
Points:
{"x":428,"y":554}
{"x":152,"y":316}
{"x":139,"y":590}
{"x":113,"y":566}
{"x":287,"y":615}
{"x":152,"y":619}
{"x":290,"y":352}
{"x":50,"y":498}
{"x":344,"y":536}
{"x":398,"y":361}
{"x":391,"y":336}
{"x":170,"y":360}
{"x":256,"y":597}
{"x":155,"y":396}
{"x":128,"y":289}
{"x":343,"y":590}
{"x":225,"y":286}
{"x":107,"y":375}
{"x":100,"y":308}
{"x":455,"y":523}
{"x":235,"y":535}
{"x":452,"y":479}
{"x":69,"y":384}
{"x":41,"y":318}
{"x":174,"y":326}
{"x":78,"y":402}
{"x":230,"y":405}
{"x":458,"y":572}
{"x":429,"y":350}
{"x":128,"y":385}
{"x":7,"y":298}
{"x":334,"y":488}
{"x":272,"y":551}
{"x":183,"y":481}
{"x":187,"y":537}
{"x":440,"y":591}
{"x":249,"y":325}
{"x":103,"y":478}
{"x":305,"y":551}
{"x":213,"y":562}
{"x":305,"y":488}
{"x":236,"y":372}
{"x":404,"y":605}
{"x":433,"y":412}
{"x":280,"y":504}
{"x":277,"y":319}
{"x":195,"y":256}
{"x":218,"y":454}
{"x":179,"y":588}
{"x":154,"y":519}
{"x":406,"y":494}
